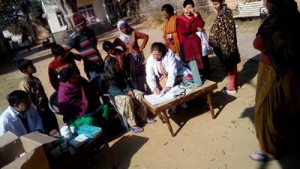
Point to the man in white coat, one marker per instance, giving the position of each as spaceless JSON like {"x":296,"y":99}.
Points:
{"x":20,"y":117}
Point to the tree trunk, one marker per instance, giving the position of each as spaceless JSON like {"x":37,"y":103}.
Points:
{"x":29,"y":25}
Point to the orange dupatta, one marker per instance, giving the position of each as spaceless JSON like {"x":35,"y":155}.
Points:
{"x":170,"y":28}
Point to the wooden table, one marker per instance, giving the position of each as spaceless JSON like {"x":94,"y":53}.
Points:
{"x":161,"y":109}
{"x":85,"y":151}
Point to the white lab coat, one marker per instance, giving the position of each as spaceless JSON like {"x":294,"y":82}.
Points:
{"x":171,"y":63}
{"x":9,"y":121}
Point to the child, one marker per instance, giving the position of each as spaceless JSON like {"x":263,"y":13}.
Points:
{"x":61,"y":60}
{"x":33,"y":86}
{"x":78,"y":102}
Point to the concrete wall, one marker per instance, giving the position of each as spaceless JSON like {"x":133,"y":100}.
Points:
{"x":50,"y":9}
{"x":152,"y":7}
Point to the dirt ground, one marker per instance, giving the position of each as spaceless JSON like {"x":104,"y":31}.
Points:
{"x":200,"y":142}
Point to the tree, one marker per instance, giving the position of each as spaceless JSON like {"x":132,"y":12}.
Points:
{"x":16,"y":15}
{"x":67,"y":7}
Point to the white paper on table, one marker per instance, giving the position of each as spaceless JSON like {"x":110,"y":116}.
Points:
{"x":160,"y":98}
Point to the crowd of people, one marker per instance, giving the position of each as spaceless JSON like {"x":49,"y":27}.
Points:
{"x":126,"y":74}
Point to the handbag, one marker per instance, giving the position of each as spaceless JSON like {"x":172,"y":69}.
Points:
{"x":206,"y":49}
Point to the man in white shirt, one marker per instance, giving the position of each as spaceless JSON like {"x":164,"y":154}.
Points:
{"x":20,"y":117}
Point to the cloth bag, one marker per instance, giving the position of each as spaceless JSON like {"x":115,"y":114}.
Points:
{"x":206,"y":49}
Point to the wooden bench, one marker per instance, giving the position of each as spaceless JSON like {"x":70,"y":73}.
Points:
{"x":251,"y":10}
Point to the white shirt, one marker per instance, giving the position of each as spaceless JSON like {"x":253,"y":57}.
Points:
{"x":172,"y":65}
{"x":9,"y":121}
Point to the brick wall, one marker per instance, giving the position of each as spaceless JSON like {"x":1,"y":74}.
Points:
{"x":153,"y":7}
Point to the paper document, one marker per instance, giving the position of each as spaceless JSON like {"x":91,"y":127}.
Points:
{"x":160,"y":98}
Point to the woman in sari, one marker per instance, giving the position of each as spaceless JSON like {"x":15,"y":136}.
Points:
{"x":128,"y":40}
{"x":128,"y":100}
{"x":188,"y":24}
{"x":277,"y":106}
{"x":222,"y":38}
{"x":169,"y":29}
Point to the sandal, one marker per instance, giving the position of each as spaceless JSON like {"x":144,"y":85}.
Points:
{"x":150,"y":121}
{"x":136,"y":129}
{"x":258,"y":156}
{"x":227,"y":91}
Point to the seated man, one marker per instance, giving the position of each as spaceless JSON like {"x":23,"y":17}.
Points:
{"x":78,"y":102}
{"x":20,"y":117}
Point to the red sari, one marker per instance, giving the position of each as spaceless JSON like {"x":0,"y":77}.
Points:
{"x":190,"y":43}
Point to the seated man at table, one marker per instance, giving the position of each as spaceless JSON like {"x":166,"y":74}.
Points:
{"x":78,"y":102}
{"x":20,"y":117}
{"x":164,"y":69}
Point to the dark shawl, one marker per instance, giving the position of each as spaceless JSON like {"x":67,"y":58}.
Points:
{"x":222,"y":38}
{"x":280,"y":33}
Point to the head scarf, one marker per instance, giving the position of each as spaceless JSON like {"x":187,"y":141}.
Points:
{"x":128,"y":39}
{"x":124,"y":37}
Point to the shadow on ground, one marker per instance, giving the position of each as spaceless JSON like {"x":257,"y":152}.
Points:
{"x":198,"y":107}
{"x":122,"y":159}
{"x":11,"y":64}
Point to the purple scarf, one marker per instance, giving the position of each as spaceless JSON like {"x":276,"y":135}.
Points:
{"x":72,"y":101}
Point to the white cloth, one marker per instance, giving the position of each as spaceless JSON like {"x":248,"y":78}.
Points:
{"x":9,"y":121}
{"x":172,"y":65}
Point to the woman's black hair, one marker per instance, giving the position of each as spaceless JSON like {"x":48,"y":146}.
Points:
{"x":57,"y":50}
{"x":23,"y":64}
{"x":66,"y":73}
{"x":168,"y":9}
{"x":159,"y":47}
{"x":107,"y":45}
{"x":188,"y":2}
{"x":16,"y":97}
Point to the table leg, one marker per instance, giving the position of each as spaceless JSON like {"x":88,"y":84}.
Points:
{"x":161,"y":118}
{"x":211,"y":106}
{"x":108,"y":153}
{"x":166,"y":118}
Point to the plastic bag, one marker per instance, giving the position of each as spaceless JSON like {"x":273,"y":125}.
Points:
{"x":206,"y":49}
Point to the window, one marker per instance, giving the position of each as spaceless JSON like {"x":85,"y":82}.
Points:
{"x":61,"y":19}
{"x":88,"y":13}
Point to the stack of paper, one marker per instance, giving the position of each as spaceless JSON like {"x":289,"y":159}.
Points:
{"x":160,"y":98}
